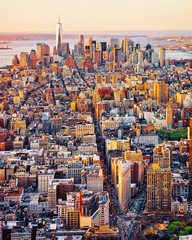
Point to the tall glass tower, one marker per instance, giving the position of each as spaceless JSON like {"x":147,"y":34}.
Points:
{"x":59,"y":37}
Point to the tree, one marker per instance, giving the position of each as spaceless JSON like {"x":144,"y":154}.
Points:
{"x":186,"y":231}
{"x":151,"y":236}
{"x":176,"y":227}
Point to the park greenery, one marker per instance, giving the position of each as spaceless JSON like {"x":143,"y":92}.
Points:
{"x":178,"y":228}
{"x":172,"y":135}
{"x":171,"y":232}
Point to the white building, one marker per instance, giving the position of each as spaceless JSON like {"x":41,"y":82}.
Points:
{"x":147,"y":139}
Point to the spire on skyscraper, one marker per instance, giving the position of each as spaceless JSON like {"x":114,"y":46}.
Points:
{"x":59,"y":36}
{"x":59,"y":18}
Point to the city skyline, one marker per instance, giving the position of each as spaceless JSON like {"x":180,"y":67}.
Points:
{"x":96,"y":120}
{"x":122,"y":15}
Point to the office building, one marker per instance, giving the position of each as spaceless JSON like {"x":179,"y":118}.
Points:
{"x":162,"y":156}
{"x":159,"y":189}
{"x":140,"y":57}
{"x":84,"y":129}
{"x":137,"y":47}
{"x":33,"y":59}
{"x":103,"y":202}
{"x":95,"y":181}
{"x":81,"y":45}
{"x":169,"y":116}
{"x":72,"y":169}
{"x":72,"y":202}
{"x":43,"y":181}
{"x":127,"y":46}
{"x":117,"y":54}
{"x":103,"y":46}
{"x":161,"y":92}
{"x":52,"y":196}
{"x":155,"y":57}
{"x":90,"y":47}
{"x":73,"y":219}
{"x":124,"y":184}
{"x":15,"y":61}
{"x":46,"y":60}
{"x":87,"y":64}
{"x":42,"y":50}
{"x":134,"y":57}
{"x":81,"y":39}
{"x":87,"y":51}
{"x":162,"y":56}
{"x":97,"y":57}
{"x":133,"y":156}
{"x":137,"y":166}
{"x":94,"y":208}
{"x":24,"y":59}
{"x":114,"y":42}
{"x":46,"y":124}
{"x":65,"y":50}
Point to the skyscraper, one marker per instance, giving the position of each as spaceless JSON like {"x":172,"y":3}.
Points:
{"x":81,"y":45}
{"x":103,"y":46}
{"x":162,"y":56}
{"x":159,"y":189}
{"x":24,"y":59}
{"x":97,"y":57}
{"x":162,"y":156}
{"x":114,"y":42}
{"x":15,"y":61}
{"x":87,"y":50}
{"x":90,"y":47}
{"x":169,"y":116}
{"x":33,"y":59}
{"x":126,"y":45}
{"x":161,"y":92}
{"x":116,"y":54}
{"x":140,"y":57}
{"x":42,"y":50}
{"x":59,"y":37}
{"x":155,"y":57}
{"x":65,"y":50}
{"x":81,"y":39}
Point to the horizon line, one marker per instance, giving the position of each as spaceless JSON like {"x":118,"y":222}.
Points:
{"x":89,"y":31}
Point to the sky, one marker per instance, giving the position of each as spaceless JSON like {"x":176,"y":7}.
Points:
{"x":95,"y":15}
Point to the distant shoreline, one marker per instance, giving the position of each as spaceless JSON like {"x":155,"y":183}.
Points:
{"x":45,"y":36}
{"x":5,"y":48}
{"x":5,"y":42}
{"x":6,"y":38}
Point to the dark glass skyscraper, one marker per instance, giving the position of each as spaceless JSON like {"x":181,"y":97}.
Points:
{"x":59,"y":37}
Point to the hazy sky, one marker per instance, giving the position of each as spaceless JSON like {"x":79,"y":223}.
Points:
{"x":87,"y":15}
